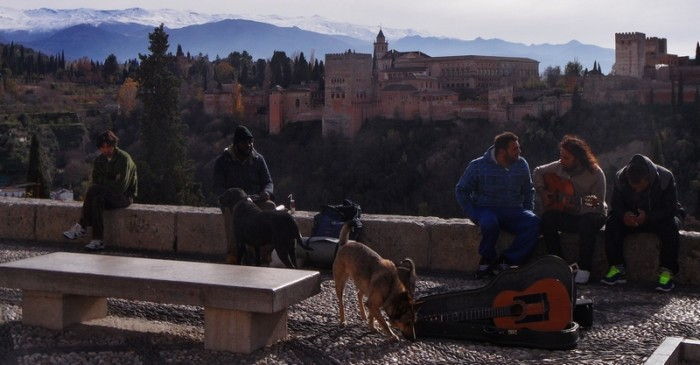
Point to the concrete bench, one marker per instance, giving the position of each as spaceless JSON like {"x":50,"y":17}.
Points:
{"x":245,"y":308}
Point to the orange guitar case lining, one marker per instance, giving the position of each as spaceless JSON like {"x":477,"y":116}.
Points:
{"x":439,"y":315}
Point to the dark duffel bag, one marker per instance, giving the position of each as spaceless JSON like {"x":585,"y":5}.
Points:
{"x":319,"y":249}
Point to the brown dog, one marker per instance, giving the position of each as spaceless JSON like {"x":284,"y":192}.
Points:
{"x":378,"y":280}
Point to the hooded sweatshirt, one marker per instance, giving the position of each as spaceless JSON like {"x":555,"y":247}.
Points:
{"x":485,"y":183}
{"x":659,"y":200}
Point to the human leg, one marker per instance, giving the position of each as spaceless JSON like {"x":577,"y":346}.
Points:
{"x":490,"y":228}
{"x":587,"y":227}
{"x":550,"y":226}
{"x":615,"y":232}
{"x":667,"y":230}
{"x":526,"y":227}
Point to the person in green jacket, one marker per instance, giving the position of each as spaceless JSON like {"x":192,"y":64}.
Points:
{"x":114,"y":186}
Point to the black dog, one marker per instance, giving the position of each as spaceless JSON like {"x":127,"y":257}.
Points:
{"x":253,"y":227}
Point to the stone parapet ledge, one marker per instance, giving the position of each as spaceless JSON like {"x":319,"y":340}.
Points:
{"x":433,"y":243}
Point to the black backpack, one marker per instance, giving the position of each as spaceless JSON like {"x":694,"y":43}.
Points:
{"x":329,"y":221}
{"x":320,"y":248}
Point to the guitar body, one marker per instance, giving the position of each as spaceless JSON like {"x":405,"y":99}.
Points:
{"x":559,"y":190}
{"x":543,"y":291}
{"x":545,"y":306}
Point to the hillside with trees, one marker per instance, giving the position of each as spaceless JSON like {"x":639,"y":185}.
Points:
{"x":391,"y":167}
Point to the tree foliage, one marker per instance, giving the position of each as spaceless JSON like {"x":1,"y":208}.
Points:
{"x":552,"y":76}
{"x":165,"y":173}
{"x":110,"y":69}
{"x":126,"y":96}
{"x":37,"y":172}
{"x":573,"y":68}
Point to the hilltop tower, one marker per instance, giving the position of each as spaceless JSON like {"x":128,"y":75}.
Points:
{"x":655,"y":51}
{"x":349,"y":93}
{"x":630,"y":54}
{"x":381,"y":46}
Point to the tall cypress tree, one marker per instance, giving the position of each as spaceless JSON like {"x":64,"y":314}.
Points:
{"x":697,"y":53}
{"x":165,"y":172}
{"x":36,"y":172}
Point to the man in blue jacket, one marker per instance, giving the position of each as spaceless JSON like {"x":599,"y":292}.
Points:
{"x":496,"y":192}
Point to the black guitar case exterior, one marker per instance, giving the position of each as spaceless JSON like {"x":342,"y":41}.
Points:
{"x":430,"y":323}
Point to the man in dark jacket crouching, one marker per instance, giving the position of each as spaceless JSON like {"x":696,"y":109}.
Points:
{"x":644,"y":200}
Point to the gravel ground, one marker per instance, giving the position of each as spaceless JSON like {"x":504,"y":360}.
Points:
{"x":629,"y":323}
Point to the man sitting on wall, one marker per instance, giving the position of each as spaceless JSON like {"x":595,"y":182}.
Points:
{"x":114,"y":186}
{"x":572,"y":190}
{"x":644,"y":200}
{"x":496,"y":192}
{"x":241,"y":166}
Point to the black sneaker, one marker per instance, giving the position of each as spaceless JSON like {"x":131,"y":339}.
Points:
{"x":614,"y":276}
{"x":665,"y":281}
{"x":666,"y":287}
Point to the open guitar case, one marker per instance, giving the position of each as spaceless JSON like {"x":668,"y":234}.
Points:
{"x":433,"y":311}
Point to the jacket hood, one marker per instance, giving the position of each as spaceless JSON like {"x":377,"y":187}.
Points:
{"x":490,"y":154}
{"x":638,"y":159}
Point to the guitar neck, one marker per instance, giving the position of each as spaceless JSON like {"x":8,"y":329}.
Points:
{"x":470,"y":314}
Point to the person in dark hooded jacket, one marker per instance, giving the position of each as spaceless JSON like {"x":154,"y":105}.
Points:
{"x":644,"y":200}
{"x":240,"y":166}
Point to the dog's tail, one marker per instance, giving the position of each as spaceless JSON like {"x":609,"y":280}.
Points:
{"x":287,"y":258}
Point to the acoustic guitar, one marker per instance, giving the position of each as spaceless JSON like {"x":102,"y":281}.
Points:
{"x":544,"y":306}
{"x":562,"y":196}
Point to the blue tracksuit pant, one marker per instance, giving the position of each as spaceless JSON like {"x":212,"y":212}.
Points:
{"x":523,"y":223}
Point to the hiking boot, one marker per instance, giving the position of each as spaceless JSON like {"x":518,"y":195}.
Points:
{"x":74,"y":232}
{"x":616,"y":275}
{"x":665,"y":282}
{"x":582,"y":276}
{"x":95,"y":245}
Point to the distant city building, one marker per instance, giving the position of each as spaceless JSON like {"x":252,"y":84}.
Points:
{"x":642,"y":57}
{"x":644,"y":73}
{"x":62,"y":194}
{"x":412,"y":85}
{"x":389,"y":84}
{"x":12,"y":192}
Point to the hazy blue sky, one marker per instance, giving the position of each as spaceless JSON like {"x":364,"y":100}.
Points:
{"x":526,"y":21}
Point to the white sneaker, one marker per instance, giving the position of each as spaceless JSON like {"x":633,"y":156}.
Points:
{"x":95,"y":245}
{"x":74,"y":232}
{"x":582,"y":276}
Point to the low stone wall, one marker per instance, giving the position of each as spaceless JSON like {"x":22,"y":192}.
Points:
{"x":433,"y":243}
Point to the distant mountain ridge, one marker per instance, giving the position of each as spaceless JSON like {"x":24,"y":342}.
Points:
{"x":97,"y":33}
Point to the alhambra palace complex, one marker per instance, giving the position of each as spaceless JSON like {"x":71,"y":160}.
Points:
{"x":397,"y":85}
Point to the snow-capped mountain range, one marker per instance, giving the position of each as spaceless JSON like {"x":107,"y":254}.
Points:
{"x":98,"y":33}
{"x":53,"y":19}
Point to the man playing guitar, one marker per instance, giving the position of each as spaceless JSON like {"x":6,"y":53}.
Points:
{"x":572,"y":192}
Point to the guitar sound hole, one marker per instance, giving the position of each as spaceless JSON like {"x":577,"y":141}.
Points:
{"x":516,"y":310}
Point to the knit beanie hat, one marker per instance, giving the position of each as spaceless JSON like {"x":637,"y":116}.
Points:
{"x":242,"y":134}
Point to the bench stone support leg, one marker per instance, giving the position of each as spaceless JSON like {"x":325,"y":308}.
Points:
{"x":242,"y":332}
{"x":57,"y":311}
